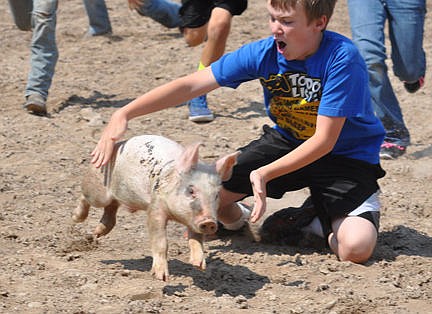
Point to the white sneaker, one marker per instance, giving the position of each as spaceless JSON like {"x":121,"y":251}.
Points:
{"x":236,"y":225}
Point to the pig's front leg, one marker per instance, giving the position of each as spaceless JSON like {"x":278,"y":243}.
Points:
{"x":195,"y":241}
{"x":159,"y":245}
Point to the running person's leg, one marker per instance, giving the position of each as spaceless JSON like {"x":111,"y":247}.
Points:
{"x":209,"y":21}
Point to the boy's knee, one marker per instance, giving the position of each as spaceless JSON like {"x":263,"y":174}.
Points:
{"x":193,"y":37}
{"x":355,"y":256}
{"x":355,"y":250}
{"x":219,"y":31}
{"x":353,"y":239}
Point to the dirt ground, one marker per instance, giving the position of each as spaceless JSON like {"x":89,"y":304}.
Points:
{"x":49,"y":265}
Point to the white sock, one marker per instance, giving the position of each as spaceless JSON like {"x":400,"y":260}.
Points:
{"x":246,"y":212}
{"x":314,"y":227}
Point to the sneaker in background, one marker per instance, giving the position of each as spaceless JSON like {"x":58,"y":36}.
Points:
{"x":198,"y":110}
{"x":391,"y":151}
{"x":414,"y":86}
{"x":35,"y":104}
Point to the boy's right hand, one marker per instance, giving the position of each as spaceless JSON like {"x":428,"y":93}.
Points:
{"x":114,"y":131}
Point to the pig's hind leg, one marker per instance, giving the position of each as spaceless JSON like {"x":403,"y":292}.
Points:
{"x":108,"y":219}
{"x":80,"y":213}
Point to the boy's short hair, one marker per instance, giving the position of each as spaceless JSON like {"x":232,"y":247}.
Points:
{"x":313,"y":8}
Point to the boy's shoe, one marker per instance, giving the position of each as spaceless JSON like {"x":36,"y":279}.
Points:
{"x":223,"y":232}
{"x":284,"y":226}
{"x":35,"y":104}
{"x":198,"y":110}
{"x":391,"y":151}
{"x":414,"y":86}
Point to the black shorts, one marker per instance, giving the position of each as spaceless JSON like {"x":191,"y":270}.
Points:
{"x":196,"y":13}
{"x":338,"y":184}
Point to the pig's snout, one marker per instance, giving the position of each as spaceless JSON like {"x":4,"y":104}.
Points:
{"x":208,"y":226}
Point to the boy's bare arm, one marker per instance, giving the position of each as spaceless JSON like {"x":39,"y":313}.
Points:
{"x":165,"y":96}
{"x":321,"y":143}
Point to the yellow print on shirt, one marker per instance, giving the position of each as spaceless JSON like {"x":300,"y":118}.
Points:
{"x":294,"y":102}
{"x":296,"y":115}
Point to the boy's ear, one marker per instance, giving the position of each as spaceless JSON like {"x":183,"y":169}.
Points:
{"x":321,"y":22}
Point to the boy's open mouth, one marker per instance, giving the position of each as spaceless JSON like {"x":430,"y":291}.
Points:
{"x":280,"y":45}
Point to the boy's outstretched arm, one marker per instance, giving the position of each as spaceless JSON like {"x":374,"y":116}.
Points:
{"x":165,"y":96}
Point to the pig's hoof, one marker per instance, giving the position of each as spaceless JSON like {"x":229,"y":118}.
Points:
{"x":160,"y":273}
{"x":200,"y":264}
{"x":80,"y":213}
{"x":78,"y":218}
{"x":101,"y":230}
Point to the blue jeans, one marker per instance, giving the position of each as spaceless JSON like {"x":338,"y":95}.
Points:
{"x":406,"y":22}
{"x":21,"y":12}
{"x":44,"y":53}
{"x":164,"y":12}
{"x":97,"y":12}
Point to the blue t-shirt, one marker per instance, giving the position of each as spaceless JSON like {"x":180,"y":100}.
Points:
{"x":332,"y":82}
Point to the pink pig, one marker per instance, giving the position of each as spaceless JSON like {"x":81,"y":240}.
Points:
{"x":156,"y":174}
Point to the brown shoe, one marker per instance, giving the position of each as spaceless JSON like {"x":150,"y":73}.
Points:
{"x":35,"y":104}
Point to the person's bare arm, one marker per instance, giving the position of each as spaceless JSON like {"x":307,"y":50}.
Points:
{"x":165,"y":96}
{"x":321,"y":143}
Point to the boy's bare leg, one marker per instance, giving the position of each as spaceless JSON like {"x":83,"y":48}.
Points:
{"x":195,"y":36}
{"x":229,"y":212}
{"x":215,"y":33}
{"x":353,"y":239}
{"x":218,"y":31}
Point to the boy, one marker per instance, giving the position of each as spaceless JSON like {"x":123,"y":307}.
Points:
{"x":326,"y":136}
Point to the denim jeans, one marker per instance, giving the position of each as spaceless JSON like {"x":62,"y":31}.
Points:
{"x":164,"y":12}
{"x":406,"y":22}
{"x":44,"y":53}
{"x":21,"y":12}
{"x":97,"y":12}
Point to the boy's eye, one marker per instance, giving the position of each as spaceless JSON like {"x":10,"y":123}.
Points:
{"x":282,"y":22}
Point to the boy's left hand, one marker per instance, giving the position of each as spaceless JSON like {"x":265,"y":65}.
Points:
{"x":260,"y":194}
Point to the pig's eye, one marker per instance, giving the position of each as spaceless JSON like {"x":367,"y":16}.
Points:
{"x":191,"y":191}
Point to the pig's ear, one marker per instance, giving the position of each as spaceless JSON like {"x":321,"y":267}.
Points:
{"x":225,"y":165}
{"x":188,"y":159}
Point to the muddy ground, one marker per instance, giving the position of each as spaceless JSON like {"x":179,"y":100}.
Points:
{"x":49,"y":265}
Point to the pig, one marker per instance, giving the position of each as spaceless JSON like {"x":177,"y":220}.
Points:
{"x":156,"y":174}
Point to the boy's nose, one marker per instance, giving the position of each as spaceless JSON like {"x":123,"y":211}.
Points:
{"x":275,"y":27}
